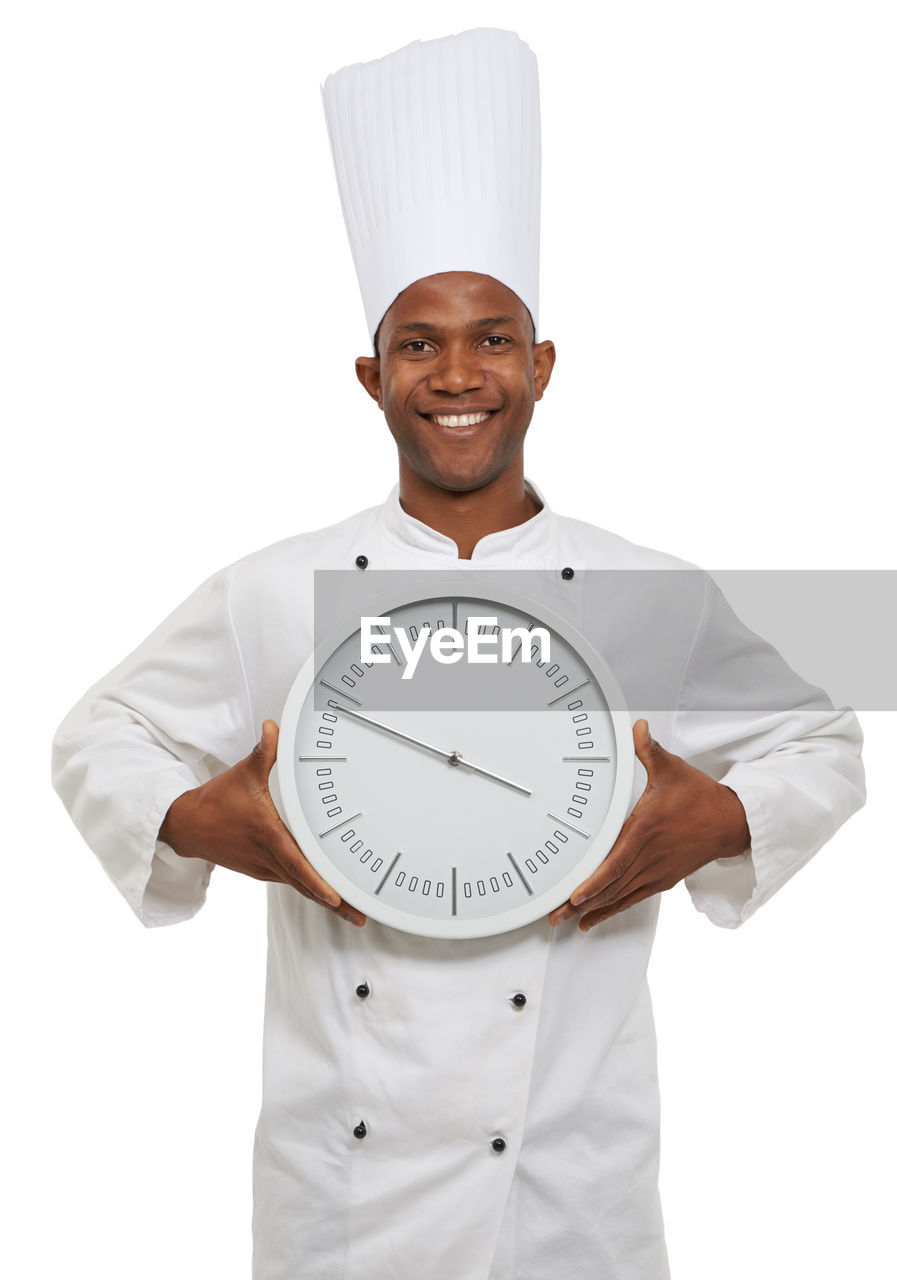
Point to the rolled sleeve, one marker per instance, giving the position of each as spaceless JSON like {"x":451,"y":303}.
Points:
{"x":793,"y":759}
{"x":174,"y":714}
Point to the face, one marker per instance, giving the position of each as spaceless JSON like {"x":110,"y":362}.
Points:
{"x":457,"y":378}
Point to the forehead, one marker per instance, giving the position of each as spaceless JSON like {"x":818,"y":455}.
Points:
{"x":454,"y":297}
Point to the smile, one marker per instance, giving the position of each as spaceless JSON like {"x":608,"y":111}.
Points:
{"x":459,"y":419}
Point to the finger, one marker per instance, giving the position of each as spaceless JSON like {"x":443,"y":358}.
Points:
{"x":281,"y":874}
{"x":620,"y":862}
{"x":642,"y":868}
{"x":339,"y":907}
{"x":619,"y":871}
{"x":302,"y":873}
{"x":641,"y":737}
{"x":264,"y":753}
{"x":343,"y":909}
{"x":294,"y":867}
{"x":617,"y":868}
{"x":276,"y":840}
{"x":596,"y":901}
{"x":648,"y":750}
{"x":299,"y":868}
{"x":609,"y":879}
{"x":623,"y":904}
{"x":616,"y":893}
{"x":347,"y":912}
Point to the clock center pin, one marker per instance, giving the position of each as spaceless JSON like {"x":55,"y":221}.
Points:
{"x":455,"y":757}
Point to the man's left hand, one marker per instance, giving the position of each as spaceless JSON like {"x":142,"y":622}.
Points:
{"x":682,"y":821}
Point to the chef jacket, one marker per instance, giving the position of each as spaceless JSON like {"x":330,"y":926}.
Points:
{"x":462,"y":1110}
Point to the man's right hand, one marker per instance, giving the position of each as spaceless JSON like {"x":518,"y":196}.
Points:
{"x":232,"y":821}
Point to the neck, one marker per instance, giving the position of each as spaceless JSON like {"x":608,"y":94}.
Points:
{"x":467,"y":517}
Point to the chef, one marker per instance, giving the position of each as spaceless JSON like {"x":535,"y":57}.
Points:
{"x":483,"y":1109}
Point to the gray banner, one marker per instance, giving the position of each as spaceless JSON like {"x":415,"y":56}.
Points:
{"x":674,"y":639}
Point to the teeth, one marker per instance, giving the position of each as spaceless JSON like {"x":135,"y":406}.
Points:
{"x":459,"y":419}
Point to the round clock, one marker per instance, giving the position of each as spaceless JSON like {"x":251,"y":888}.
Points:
{"x":454,"y":765}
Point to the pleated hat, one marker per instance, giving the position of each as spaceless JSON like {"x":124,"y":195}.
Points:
{"x":437,"y":154}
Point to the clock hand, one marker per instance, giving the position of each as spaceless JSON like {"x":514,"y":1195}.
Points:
{"x":453,"y":757}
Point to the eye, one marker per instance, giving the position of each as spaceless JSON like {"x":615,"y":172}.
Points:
{"x":495,"y":340}
{"x":416,"y":345}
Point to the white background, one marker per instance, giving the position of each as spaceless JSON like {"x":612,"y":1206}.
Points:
{"x":180,"y":321}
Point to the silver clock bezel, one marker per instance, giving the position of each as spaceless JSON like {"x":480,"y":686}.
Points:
{"x":541,"y":904}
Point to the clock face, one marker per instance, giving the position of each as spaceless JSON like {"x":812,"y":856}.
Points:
{"x":444,"y":784}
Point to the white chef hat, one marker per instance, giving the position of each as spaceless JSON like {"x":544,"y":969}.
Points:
{"x":438,"y":163}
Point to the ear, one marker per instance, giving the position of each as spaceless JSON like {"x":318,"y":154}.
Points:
{"x":544,"y":356}
{"x":367,"y":370}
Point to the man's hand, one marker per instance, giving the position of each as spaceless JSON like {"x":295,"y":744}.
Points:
{"x":682,"y":821}
{"x":232,"y":821}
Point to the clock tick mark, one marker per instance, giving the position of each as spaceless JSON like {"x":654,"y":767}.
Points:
{"x":603,"y":759}
{"x":336,"y":826}
{"x":342,"y":693}
{"x":380,"y":634}
{"x":454,"y":891}
{"x":567,"y":692}
{"x":388,"y":872}
{"x":519,"y":646}
{"x":579,"y":830}
{"x":520,"y":873}
{"x":329,"y":759}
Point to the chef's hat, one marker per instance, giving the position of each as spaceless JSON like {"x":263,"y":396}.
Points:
{"x":438,"y":162}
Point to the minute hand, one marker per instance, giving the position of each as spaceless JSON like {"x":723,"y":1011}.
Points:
{"x":453,"y":757}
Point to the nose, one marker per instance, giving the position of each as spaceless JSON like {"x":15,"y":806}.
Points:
{"x":458,"y":369}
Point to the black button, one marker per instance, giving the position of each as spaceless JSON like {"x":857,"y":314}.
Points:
{"x":519,"y":999}
{"x":498,"y":1144}
{"x":567,"y":573}
{"x":360,"y":1129}
{"x":361,"y":561}
{"x":362,"y":990}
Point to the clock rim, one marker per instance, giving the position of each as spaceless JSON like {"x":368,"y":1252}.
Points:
{"x":290,"y":807}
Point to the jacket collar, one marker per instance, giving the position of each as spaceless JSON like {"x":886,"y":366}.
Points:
{"x":531,"y":540}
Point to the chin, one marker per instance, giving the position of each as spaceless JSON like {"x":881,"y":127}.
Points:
{"x":459,"y":482}
{"x":463,"y":478}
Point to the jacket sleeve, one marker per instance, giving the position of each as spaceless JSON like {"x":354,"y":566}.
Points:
{"x":175,"y":713}
{"x":791,"y":757}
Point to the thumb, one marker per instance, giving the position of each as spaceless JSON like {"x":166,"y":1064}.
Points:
{"x":264,"y":753}
{"x":647,"y":750}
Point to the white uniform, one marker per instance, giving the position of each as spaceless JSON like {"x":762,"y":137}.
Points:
{"x":438,"y":1060}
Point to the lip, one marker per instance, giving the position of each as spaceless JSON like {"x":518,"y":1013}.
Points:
{"x":445,"y":411}
{"x":461,"y":433}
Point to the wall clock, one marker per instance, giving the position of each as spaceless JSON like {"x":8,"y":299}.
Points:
{"x":440,"y":781}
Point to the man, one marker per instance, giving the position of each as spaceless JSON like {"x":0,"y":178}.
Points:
{"x":485,"y":1108}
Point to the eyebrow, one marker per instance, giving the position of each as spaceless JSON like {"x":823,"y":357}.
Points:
{"x":422,"y":326}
